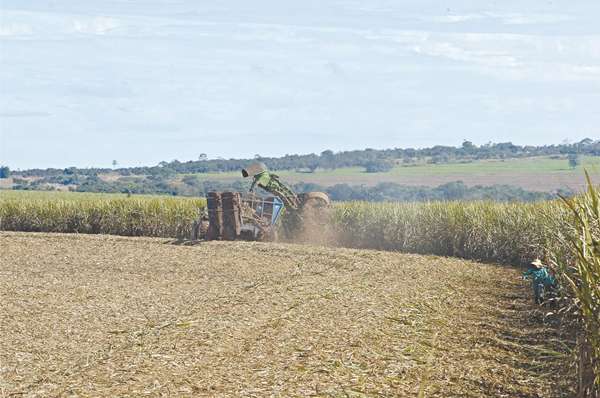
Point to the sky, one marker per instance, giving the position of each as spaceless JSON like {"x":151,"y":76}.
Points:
{"x":86,"y":82}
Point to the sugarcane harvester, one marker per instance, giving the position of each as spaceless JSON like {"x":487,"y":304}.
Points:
{"x":248,"y":216}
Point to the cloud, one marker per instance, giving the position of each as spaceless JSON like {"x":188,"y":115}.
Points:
{"x":45,"y":25}
{"x":456,"y":52}
{"x":527,"y":104}
{"x":506,"y":19}
{"x":96,"y":26}
{"x":521,"y":19}
{"x":147,"y":72}
{"x":15,"y":29}
{"x":507,"y":56}
{"x":24,"y":114}
{"x":450,"y":19}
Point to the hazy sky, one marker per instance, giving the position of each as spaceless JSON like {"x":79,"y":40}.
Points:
{"x":86,"y":82}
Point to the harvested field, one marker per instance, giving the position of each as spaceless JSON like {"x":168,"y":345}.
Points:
{"x":114,"y":316}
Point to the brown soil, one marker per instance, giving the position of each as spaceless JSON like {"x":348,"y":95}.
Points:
{"x":112,"y":316}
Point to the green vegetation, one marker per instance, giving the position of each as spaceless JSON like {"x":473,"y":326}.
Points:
{"x":512,"y":233}
{"x":577,"y":258}
{"x":379,"y":166}
{"x":535,"y":165}
{"x":545,"y":168}
{"x":330,"y":182}
{"x":65,"y":196}
{"x":392,"y":192}
{"x":328,"y":160}
{"x":381,"y":192}
{"x":4,"y":172}
{"x":98,"y":214}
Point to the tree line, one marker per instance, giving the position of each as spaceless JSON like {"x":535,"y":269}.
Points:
{"x":4,"y":172}
{"x":192,"y":185}
{"x":373,"y":160}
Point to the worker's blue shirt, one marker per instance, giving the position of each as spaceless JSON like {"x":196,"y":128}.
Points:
{"x":540,"y":276}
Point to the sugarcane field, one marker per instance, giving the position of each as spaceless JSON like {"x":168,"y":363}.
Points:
{"x":337,"y":307}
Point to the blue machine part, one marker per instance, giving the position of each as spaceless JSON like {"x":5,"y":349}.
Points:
{"x":277,"y":208}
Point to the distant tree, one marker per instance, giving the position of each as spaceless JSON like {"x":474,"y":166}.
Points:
{"x":574,"y":160}
{"x":327,"y":154}
{"x":468,"y":146}
{"x":114,"y":164}
{"x":203,"y":157}
{"x":342,"y":192}
{"x":453,"y":190}
{"x":328,"y":159}
{"x":312,"y":166}
{"x":440,"y":159}
{"x":191,"y":180}
{"x":4,"y":172}
{"x":378,"y":166}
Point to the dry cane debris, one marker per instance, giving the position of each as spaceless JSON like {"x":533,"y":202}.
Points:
{"x":112,"y":316}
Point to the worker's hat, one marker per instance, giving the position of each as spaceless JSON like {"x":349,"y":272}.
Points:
{"x":537,"y":263}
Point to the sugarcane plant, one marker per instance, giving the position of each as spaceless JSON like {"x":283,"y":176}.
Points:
{"x":579,"y":268}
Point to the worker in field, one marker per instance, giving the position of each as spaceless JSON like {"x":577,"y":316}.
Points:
{"x":542,"y":280}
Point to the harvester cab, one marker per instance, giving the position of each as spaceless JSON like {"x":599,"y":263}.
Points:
{"x":248,"y":216}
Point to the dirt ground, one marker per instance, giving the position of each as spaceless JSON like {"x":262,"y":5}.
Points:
{"x":111,"y":316}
